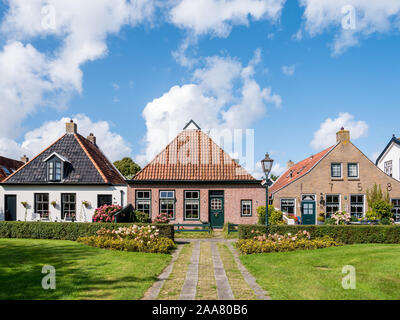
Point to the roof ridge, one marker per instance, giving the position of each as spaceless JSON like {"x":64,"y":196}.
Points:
{"x":78,"y":138}
{"x":40,"y":153}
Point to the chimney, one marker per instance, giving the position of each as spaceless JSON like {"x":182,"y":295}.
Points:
{"x":24,"y":159}
{"x":92,"y":138}
{"x":343,"y":136}
{"x":71,"y":127}
{"x":290,"y":164}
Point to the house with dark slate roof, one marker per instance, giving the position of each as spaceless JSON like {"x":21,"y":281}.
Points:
{"x":194,"y":180}
{"x":65,"y":182}
{"x":9,"y":166}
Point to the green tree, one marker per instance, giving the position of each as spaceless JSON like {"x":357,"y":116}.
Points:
{"x":376,"y":194}
{"x":127,"y":167}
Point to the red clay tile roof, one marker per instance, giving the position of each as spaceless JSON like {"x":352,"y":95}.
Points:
{"x":193,"y":156}
{"x":8,"y":166}
{"x":298,"y":170}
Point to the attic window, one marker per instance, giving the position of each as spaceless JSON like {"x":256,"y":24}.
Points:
{"x":54,"y":169}
{"x":6,"y":170}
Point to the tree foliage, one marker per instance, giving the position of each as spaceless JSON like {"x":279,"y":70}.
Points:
{"x":376,"y":194}
{"x":127,"y":167}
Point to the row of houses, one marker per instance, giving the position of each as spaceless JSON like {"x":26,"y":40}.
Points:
{"x":192,"y":180}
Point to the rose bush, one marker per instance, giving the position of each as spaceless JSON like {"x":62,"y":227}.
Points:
{"x":283,"y":243}
{"x":133,"y":238}
{"x":106,"y":213}
{"x":162,"y":218}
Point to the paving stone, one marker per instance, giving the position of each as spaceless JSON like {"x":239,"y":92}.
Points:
{"x":189,"y":287}
{"x":223,"y":287}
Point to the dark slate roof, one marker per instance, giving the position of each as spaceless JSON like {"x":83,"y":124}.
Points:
{"x":8,"y":166}
{"x":88,"y":164}
{"x":393,"y":140}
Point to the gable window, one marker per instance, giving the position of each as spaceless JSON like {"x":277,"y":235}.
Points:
{"x":192,"y":205}
{"x":352,"y":170}
{"x":288,"y":206}
{"x":143,"y":201}
{"x":42,"y":205}
{"x":247,"y":207}
{"x":357,"y":206}
{"x":167,"y":203}
{"x":332,"y":205}
{"x":104,"y":200}
{"x":68,"y":206}
{"x":389,"y":168}
{"x":336,"y":170}
{"x":54,"y":170}
{"x":396,"y":209}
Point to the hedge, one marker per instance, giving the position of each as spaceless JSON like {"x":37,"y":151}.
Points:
{"x":67,"y":230}
{"x":345,"y":234}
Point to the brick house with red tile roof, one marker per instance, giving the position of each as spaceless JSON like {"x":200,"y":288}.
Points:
{"x":335,"y":179}
{"x":66,"y":181}
{"x":194,"y":180}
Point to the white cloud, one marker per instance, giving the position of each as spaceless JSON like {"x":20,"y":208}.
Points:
{"x":217,"y":17}
{"x":35,"y":141}
{"x":289,"y":70}
{"x":223,"y":95}
{"x":370,"y":17}
{"x":326,"y":134}
{"x":277,"y":170}
{"x":31,"y":79}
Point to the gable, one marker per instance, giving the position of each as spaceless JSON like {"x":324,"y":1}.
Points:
{"x":193,"y":156}
{"x":393,"y":146}
{"x":83,"y":168}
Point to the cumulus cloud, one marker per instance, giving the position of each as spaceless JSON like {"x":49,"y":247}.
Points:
{"x":277,"y":170}
{"x":288,"y":70}
{"x":326,"y":134}
{"x":35,"y":141}
{"x":31,"y":79}
{"x":351,"y":19}
{"x":217,"y":18}
{"x":222,"y":95}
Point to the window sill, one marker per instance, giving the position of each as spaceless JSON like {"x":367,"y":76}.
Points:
{"x":337,"y":179}
{"x":246,"y":216}
{"x":354,"y":179}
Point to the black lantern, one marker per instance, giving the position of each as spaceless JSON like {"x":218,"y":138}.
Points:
{"x":322,"y":201}
{"x":267,"y":165}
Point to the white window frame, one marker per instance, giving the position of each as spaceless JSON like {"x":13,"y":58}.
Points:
{"x":242,"y":202}
{"x":168,"y":195}
{"x":341,"y":170}
{"x":290,"y":199}
{"x":185,"y":200}
{"x":143,"y":200}
{"x":358,"y":170}
{"x":386,"y":166}
{"x":332,"y":195}
{"x":364,"y":204}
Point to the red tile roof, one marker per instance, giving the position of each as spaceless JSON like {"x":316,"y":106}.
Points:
{"x":193,"y":156}
{"x":8,"y":166}
{"x":298,"y":170}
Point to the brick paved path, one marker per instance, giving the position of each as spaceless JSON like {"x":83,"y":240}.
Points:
{"x":220,"y":286}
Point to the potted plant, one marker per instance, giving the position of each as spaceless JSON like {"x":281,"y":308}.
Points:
{"x":86,"y":204}
{"x":54,"y":204}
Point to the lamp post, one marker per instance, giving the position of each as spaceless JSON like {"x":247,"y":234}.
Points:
{"x":267,"y":167}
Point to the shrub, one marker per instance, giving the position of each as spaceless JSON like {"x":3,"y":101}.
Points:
{"x":283,"y":243}
{"x":341,"y":217}
{"x":162,"y":218}
{"x":66,"y":230}
{"x":348,"y":234}
{"x":133,"y":238}
{"x":142,"y":217}
{"x":275,"y":216}
{"x":382,"y":209}
{"x":106,"y":213}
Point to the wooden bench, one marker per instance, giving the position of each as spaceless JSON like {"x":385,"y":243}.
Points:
{"x":232,"y":228}
{"x":203,"y":226}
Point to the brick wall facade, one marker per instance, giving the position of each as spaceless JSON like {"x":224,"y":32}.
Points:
{"x":319,"y":180}
{"x":233,"y":194}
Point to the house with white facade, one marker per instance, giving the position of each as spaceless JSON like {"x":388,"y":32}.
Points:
{"x":65,"y":182}
{"x":389,"y":159}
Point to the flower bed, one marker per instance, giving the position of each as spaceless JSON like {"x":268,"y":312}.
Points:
{"x":134,"y":238}
{"x":283,"y":243}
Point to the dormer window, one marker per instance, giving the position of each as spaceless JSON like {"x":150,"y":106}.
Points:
{"x":54,"y":170}
{"x":56,"y":167}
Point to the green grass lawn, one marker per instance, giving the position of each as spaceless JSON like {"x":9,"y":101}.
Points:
{"x":317,"y":274}
{"x":81,"y":272}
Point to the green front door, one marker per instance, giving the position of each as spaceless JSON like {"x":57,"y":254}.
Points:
{"x":308,"y":212}
{"x":217,"y":212}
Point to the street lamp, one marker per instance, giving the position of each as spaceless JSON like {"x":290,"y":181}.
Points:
{"x":267,"y":167}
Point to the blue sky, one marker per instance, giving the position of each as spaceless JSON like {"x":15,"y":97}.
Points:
{"x":356,"y":85}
